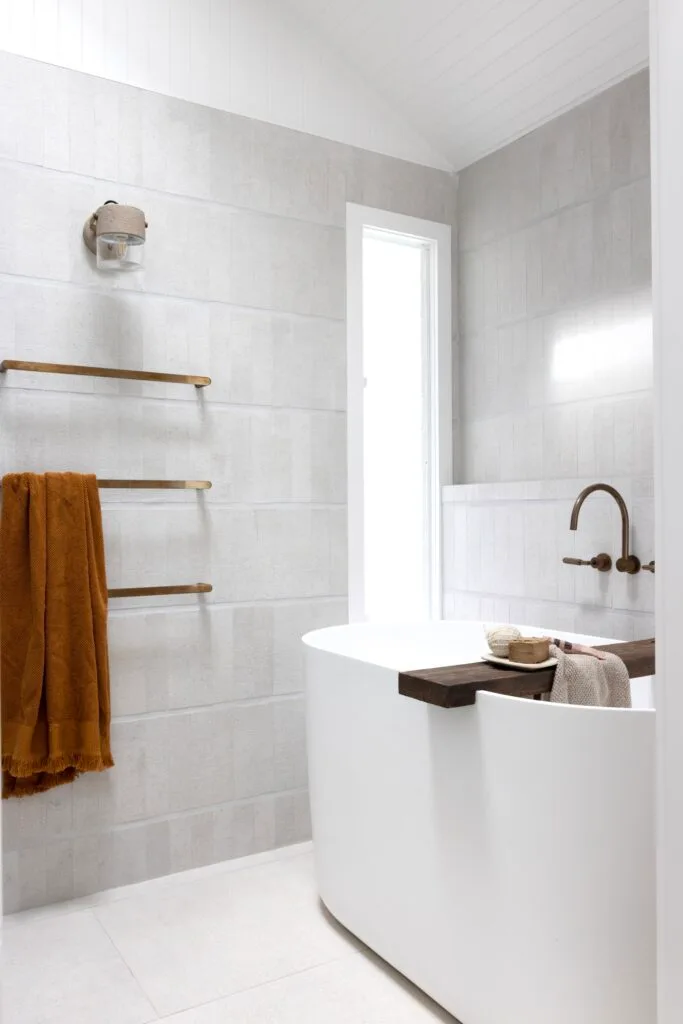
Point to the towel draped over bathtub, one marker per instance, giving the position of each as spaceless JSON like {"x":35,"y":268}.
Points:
{"x":54,"y":668}
{"x":584,"y":679}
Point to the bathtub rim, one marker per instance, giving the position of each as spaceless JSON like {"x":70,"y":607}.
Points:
{"x":312,"y":638}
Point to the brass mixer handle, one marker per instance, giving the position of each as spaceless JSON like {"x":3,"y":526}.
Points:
{"x":601,"y":562}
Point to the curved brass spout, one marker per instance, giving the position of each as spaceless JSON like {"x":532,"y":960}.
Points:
{"x":628,"y":562}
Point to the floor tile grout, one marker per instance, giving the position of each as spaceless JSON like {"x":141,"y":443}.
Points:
{"x":136,"y":981}
{"x":119,"y":894}
{"x":254,"y":988}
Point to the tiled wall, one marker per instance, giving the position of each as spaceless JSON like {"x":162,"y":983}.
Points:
{"x":245,"y":282}
{"x":556,"y":372}
{"x":503,"y":551}
{"x":555,"y":312}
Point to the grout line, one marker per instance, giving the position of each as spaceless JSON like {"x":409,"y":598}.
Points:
{"x":119,"y":952}
{"x":263,"y":984}
{"x":202,"y":406}
{"x":525,"y":410}
{"x":234,"y":506}
{"x":467,"y":249}
{"x":117,"y":894}
{"x":98,"y":289}
{"x":108,"y":828}
{"x":244,"y":702}
{"x":578,"y":605}
{"x":80,"y":177}
{"x":305,"y":133}
{"x":199,"y":603}
{"x":265,"y":602}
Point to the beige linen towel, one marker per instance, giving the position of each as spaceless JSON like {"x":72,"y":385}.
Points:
{"x":583,"y":679}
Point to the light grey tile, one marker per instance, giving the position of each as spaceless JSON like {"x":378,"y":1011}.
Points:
{"x":400,"y":186}
{"x":115,"y":858}
{"x":11,"y":886}
{"x":45,"y":814}
{"x":280,"y":264}
{"x":239,"y":924}
{"x":21,"y":120}
{"x":200,"y":760}
{"x":175,"y":145}
{"x":31,"y":884}
{"x":254,"y":747}
{"x":158,"y":848}
{"x":265,"y":167}
{"x":150,"y":652}
{"x":280,"y":553}
{"x":83,"y":977}
{"x":253,"y":643}
{"x":273,"y":359}
{"x":59,"y":871}
{"x":289,"y":743}
{"x":292,"y":818}
{"x":290,"y":623}
{"x":244,"y":828}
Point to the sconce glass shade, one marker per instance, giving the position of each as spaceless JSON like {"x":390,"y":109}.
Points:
{"x":116,"y":234}
{"x":118,"y":251}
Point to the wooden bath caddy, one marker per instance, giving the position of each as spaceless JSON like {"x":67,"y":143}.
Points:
{"x":456,"y":686}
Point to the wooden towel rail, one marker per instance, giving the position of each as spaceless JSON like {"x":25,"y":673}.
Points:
{"x":456,"y":686}
{"x":104,"y":371}
{"x":185,"y":588}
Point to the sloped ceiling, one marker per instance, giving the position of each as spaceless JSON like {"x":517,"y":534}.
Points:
{"x":475,"y":74}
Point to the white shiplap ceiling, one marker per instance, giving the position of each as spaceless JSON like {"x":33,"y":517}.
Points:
{"x":475,"y":74}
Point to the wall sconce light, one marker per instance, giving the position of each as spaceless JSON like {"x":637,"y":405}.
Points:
{"x":116,"y":235}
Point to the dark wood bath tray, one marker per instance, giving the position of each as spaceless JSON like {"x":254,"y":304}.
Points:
{"x":456,"y":686}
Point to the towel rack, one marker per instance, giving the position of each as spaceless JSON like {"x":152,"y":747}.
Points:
{"x":153,"y":485}
{"x":185,"y":588}
{"x":103,"y":371}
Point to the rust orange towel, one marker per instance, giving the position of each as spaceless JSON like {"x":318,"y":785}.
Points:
{"x":54,"y":670}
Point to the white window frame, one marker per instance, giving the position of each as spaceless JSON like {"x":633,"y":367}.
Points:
{"x":439,"y":378}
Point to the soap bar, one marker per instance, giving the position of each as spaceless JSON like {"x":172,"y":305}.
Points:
{"x":530,"y":650}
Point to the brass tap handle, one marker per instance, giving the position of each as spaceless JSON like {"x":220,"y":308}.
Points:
{"x":650,"y":567}
{"x":601,"y":562}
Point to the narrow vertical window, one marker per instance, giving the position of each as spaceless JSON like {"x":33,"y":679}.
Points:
{"x":399,"y":413}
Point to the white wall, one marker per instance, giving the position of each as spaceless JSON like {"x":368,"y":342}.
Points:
{"x":667,"y":174}
{"x":252,"y":57}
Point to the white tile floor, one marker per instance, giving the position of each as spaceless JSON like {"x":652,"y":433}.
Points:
{"x":245,"y":942}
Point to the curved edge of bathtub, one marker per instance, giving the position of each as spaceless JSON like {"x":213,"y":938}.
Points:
{"x":500,"y":856}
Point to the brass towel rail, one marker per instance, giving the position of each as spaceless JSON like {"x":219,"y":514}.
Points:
{"x":186,"y":588}
{"x":154,"y":485}
{"x":103,"y":371}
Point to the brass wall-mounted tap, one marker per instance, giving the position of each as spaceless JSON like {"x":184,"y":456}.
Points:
{"x":627,"y":562}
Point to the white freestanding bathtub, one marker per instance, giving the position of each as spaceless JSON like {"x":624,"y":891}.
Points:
{"x":500,"y":856}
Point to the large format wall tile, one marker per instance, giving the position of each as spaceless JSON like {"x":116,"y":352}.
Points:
{"x":555,"y":307}
{"x":245,"y":283}
{"x":503,"y":550}
{"x":194,"y":250}
{"x":254,"y":357}
{"x":252,"y":455}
